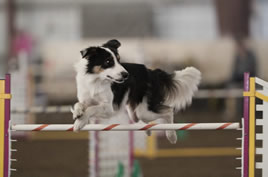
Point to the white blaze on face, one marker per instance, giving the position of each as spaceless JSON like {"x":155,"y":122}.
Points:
{"x":113,"y":73}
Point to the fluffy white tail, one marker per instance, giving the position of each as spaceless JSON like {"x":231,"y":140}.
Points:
{"x":186,"y":82}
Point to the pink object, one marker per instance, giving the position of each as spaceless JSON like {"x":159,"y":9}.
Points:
{"x":22,"y":43}
{"x":246,"y":127}
{"x":6,"y":128}
{"x":131,"y":151}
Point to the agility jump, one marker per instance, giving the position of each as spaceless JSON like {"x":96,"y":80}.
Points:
{"x":249,"y":135}
{"x":127,"y":127}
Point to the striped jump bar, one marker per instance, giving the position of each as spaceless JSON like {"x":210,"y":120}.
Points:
{"x":127,"y":127}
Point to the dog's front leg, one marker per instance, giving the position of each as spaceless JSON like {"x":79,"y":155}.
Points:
{"x":104,"y":111}
{"x":78,"y":110}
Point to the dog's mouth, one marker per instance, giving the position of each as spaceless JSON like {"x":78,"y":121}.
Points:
{"x":119,"y":81}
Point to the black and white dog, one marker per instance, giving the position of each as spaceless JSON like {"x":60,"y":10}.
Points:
{"x":105,"y":86}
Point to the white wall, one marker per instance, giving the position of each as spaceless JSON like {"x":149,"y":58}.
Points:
{"x":2,"y":42}
{"x":259,"y":20}
{"x":51,"y":23}
{"x":186,"y":21}
{"x":2,"y":32}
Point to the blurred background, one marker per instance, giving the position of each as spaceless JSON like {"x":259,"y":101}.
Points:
{"x":40,"y":41}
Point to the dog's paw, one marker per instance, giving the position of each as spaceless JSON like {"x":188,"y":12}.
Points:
{"x":79,"y":124}
{"x":77,"y":112}
{"x":171,"y":136}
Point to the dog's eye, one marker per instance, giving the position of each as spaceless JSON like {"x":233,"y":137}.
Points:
{"x":108,"y":61}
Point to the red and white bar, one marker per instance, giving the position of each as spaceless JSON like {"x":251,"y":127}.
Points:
{"x":127,"y":127}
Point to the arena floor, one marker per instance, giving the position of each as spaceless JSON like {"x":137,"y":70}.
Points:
{"x":65,"y":158}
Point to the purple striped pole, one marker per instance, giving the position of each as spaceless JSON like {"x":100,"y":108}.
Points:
{"x":6,"y":129}
{"x":246,"y":127}
{"x":97,"y":155}
{"x":131,"y":151}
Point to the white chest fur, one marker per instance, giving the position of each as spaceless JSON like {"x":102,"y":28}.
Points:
{"x":92,"y":91}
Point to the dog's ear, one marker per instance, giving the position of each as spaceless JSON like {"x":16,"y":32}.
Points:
{"x":115,"y":44}
{"x":88,"y":52}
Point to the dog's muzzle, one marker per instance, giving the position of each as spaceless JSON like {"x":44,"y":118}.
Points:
{"x":124,"y":75}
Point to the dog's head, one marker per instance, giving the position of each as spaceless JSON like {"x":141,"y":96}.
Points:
{"x":104,"y":61}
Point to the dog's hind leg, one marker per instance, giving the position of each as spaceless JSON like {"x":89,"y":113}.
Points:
{"x":132,"y":114}
{"x":170,"y":134}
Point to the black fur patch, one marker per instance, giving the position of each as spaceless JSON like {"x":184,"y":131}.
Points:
{"x":113,"y":45}
{"x":143,"y":82}
{"x":97,"y":56}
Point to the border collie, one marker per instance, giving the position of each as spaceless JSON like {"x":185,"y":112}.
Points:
{"x":106,"y":86}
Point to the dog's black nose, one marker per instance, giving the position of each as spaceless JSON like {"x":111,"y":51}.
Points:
{"x":124,"y":75}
